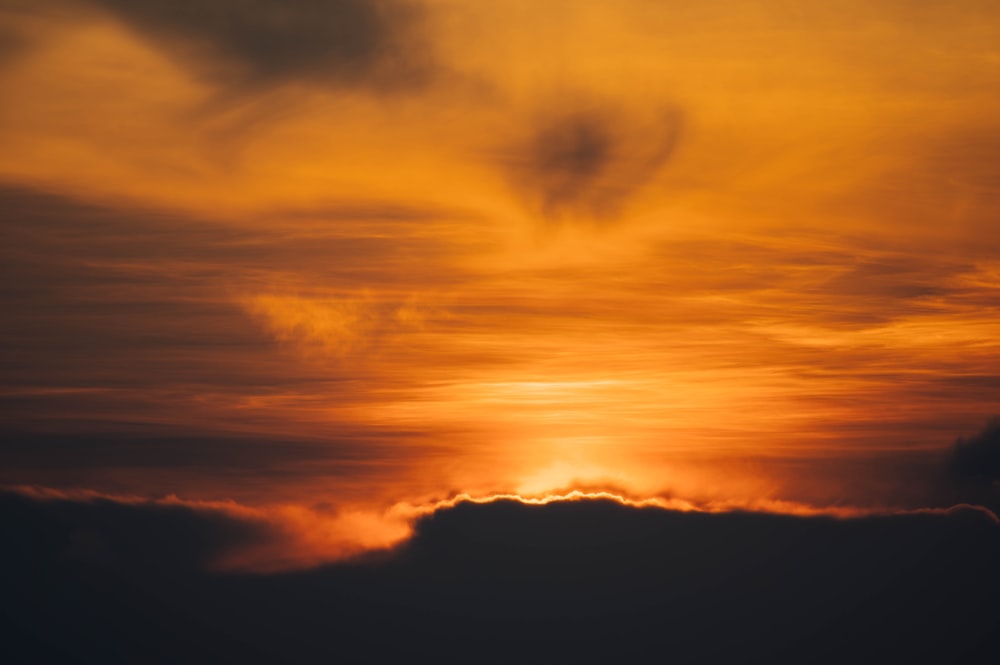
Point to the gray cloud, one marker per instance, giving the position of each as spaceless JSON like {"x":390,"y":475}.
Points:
{"x":589,"y":159}
{"x":363,"y":43}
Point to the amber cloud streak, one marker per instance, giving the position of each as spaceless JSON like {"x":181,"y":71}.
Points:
{"x":353,"y":254}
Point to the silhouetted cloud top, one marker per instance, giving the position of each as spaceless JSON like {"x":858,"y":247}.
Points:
{"x":582,"y":582}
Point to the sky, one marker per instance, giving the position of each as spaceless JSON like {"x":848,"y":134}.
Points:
{"x":333,"y":264}
{"x":492,"y":331}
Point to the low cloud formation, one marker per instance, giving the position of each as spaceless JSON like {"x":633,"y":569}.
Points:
{"x":363,"y":43}
{"x":130,"y":534}
{"x":171,"y":536}
{"x":93,"y":580}
{"x":589,"y":159}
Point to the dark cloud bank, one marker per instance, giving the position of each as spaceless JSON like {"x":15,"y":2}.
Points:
{"x":595,"y":581}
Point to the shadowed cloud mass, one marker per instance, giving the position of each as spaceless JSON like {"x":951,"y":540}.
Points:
{"x":374,"y":44}
{"x":587,"y":581}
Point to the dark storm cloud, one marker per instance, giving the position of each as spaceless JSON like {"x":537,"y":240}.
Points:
{"x":589,"y":159}
{"x":586,"y":582}
{"x":367,"y":43}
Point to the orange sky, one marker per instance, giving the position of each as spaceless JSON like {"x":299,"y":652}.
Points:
{"x":389,"y":251}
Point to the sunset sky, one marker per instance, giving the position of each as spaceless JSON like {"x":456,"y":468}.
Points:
{"x":338,"y":261}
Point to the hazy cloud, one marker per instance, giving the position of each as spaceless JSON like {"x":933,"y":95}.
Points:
{"x":363,"y":43}
{"x":588,"y":159}
{"x":11,"y":44}
{"x":336,"y":326}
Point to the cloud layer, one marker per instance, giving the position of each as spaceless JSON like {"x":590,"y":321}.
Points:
{"x":587,"y":581}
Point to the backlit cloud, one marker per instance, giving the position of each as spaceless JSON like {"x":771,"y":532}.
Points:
{"x":110,"y":577}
